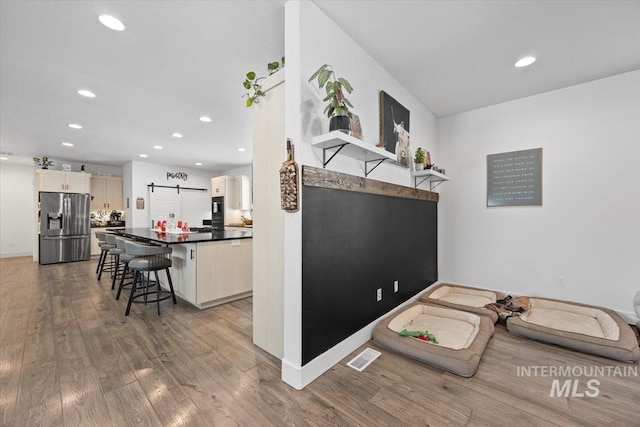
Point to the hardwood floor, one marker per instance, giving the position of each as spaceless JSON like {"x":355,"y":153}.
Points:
{"x":68,"y":356}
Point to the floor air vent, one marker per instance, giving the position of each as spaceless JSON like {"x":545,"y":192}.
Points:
{"x":364,"y":359}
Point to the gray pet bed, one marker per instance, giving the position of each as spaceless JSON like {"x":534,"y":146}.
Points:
{"x":580,"y":327}
{"x":463,"y":336}
{"x":463,"y":298}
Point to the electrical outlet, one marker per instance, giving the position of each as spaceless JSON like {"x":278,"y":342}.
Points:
{"x":379,"y":294}
{"x":395,"y":286}
{"x":561,"y":282}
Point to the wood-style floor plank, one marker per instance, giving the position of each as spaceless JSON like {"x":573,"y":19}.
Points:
{"x":70,"y":357}
{"x":39,"y":397}
{"x":128,"y":405}
{"x":11,"y":363}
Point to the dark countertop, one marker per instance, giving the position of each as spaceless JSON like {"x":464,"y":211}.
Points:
{"x":170,"y":238}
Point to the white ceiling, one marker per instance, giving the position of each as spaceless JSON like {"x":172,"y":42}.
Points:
{"x":178,"y":60}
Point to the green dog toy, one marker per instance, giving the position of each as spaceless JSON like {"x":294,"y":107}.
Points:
{"x":421,"y":335}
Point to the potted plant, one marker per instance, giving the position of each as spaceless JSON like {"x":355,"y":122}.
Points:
{"x":419,"y":159}
{"x":44,"y":162}
{"x":252,"y":84}
{"x":337,"y":108}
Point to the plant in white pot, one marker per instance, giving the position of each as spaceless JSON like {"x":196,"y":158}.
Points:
{"x":419,"y":158}
{"x":338,"y":105}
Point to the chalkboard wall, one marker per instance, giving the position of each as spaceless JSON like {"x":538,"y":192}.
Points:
{"x":353,"y":244}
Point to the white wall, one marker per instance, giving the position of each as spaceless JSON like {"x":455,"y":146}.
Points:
{"x":17,"y":211}
{"x":312,"y":39}
{"x":242,"y":170}
{"x":588,"y":229}
{"x":196,"y":206}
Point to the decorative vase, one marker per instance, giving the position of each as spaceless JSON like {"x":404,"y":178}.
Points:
{"x":341,"y":123}
{"x":419,"y":166}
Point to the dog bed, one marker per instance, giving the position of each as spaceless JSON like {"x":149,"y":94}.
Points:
{"x":580,"y":327}
{"x":462,"y":336}
{"x":463,"y":298}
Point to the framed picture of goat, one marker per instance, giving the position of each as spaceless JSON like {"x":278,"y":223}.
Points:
{"x":394,"y":129}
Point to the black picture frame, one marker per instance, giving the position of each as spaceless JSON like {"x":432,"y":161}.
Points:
{"x":394,"y":128}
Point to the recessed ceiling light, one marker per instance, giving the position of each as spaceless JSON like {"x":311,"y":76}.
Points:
{"x":176,"y":135}
{"x":205,"y":119}
{"x":4,"y":158}
{"x":527,"y":60}
{"x":198,"y":164}
{"x":86,"y":93}
{"x":158,"y":147}
{"x":74,"y":126}
{"x":67,"y":144}
{"x":110,"y":22}
{"x":241,"y":149}
{"x":143,"y":155}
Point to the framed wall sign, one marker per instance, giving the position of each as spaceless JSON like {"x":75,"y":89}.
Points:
{"x":394,"y":128}
{"x":515,"y":178}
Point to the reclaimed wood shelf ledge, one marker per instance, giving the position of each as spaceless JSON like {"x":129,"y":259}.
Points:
{"x":432,"y":177}
{"x":336,"y":142}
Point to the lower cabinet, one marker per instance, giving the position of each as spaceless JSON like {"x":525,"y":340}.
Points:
{"x":95,"y":249}
{"x":211,"y":273}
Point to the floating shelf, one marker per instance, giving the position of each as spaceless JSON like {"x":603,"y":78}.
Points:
{"x":432,"y":177}
{"x":336,"y":142}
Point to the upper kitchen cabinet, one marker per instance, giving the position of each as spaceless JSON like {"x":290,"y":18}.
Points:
{"x":218,"y":186}
{"x":106,"y":193}
{"x":235,"y":189}
{"x":63,"y":182}
{"x":243,"y":193}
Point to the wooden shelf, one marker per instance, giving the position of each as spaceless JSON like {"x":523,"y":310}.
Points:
{"x":432,"y":177}
{"x":336,"y":142}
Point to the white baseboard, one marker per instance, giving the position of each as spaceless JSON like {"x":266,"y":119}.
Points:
{"x":15,"y":254}
{"x":300,"y":376}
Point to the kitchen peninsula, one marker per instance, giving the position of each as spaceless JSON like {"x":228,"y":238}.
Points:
{"x":208,"y":268}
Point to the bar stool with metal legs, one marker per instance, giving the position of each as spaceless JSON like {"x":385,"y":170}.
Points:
{"x":121,"y":256}
{"x":101,"y":241}
{"x":148,"y":259}
{"x":104,"y":252}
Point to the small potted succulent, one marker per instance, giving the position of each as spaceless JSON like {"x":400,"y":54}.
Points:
{"x":252,"y":82}
{"x":338,"y":105}
{"x":44,"y":162}
{"x":419,"y":158}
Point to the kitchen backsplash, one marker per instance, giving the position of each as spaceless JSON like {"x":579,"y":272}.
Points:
{"x":100,"y":217}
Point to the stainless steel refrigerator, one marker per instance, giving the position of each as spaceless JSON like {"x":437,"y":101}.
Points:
{"x":65,"y":227}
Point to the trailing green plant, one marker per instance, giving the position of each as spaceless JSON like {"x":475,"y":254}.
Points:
{"x":44,"y":162}
{"x":419,"y":156}
{"x":337,"y":103}
{"x":252,"y":82}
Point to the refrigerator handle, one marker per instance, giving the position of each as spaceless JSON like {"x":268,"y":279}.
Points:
{"x":67,"y":211}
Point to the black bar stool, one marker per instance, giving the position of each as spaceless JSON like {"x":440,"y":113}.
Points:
{"x":148,"y":259}
{"x":104,"y":252}
{"x":121,"y":256}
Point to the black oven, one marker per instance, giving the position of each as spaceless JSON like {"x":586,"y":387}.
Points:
{"x":217,"y":213}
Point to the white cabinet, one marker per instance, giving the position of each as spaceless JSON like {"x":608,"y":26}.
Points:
{"x":183,"y":271}
{"x":224,"y":270}
{"x":218,"y":186}
{"x":236,"y":190}
{"x":106,"y":193}
{"x":242,"y":198}
{"x":63,"y":182}
{"x":211,"y":273}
